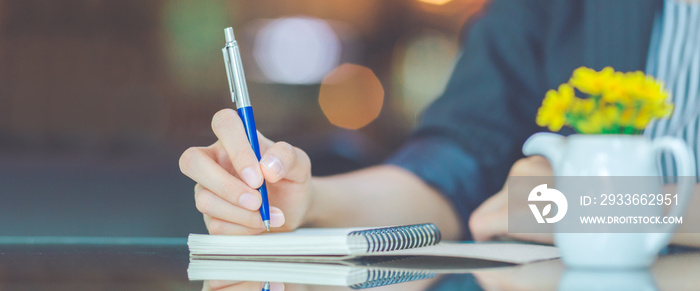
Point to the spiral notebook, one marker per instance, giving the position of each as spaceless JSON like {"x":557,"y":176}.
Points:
{"x":343,"y":244}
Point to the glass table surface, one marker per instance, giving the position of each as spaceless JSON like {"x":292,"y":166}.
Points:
{"x":162,"y":264}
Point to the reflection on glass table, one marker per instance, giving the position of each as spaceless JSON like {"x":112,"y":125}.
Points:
{"x":671,"y":272}
{"x":81,"y":263}
{"x":362,"y":273}
{"x":161,"y":264}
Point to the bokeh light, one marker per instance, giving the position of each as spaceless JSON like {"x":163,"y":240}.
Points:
{"x":422,"y":65}
{"x":436,"y":2}
{"x":351,"y":96}
{"x":296,"y":50}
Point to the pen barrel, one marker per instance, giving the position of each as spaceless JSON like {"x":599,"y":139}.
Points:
{"x":246,"y":115}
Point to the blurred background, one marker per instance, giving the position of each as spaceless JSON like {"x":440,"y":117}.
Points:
{"x":99,"y":98}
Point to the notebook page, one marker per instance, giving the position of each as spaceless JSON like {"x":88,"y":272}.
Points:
{"x":311,"y":241}
{"x":317,"y":241}
{"x":516,"y":253}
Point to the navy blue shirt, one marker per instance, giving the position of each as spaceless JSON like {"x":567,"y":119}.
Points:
{"x":468,"y":139}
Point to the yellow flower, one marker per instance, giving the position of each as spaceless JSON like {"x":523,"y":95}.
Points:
{"x":660,"y":110}
{"x":628,"y":116}
{"x":617,"y":102}
{"x":644,"y":88}
{"x":554,"y":107}
{"x":582,"y":107}
{"x":592,"y":124}
{"x":602,"y":120}
{"x":641,"y":120}
{"x":617,"y":89}
{"x":645,"y":114}
{"x":591,"y":82}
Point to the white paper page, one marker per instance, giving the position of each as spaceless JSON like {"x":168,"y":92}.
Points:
{"x":308,"y":241}
{"x":517,"y":253}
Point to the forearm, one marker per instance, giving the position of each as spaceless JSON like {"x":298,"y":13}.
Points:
{"x":378,"y":196}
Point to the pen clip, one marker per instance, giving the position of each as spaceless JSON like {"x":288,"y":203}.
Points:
{"x":229,"y":74}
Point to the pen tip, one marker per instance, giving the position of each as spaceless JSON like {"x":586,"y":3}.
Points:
{"x":228,"y":32}
{"x":267,"y":224}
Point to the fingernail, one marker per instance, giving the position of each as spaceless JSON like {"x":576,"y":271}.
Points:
{"x":250,"y":177}
{"x":276,"y":286}
{"x":249,"y":201}
{"x":273,"y":164}
{"x":276,"y":217}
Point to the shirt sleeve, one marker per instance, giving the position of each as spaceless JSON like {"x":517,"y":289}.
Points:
{"x":468,"y":139}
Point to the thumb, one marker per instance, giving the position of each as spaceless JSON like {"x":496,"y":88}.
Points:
{"x":283,"y":161}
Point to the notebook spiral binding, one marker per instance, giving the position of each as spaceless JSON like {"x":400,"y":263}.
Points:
{"x":380,"y":277}
{"x":399,"y":237}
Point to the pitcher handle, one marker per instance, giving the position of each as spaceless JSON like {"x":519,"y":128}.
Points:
{"x":685,"y":166}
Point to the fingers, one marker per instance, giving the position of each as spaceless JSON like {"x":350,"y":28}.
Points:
{"x":210,"y":204}
{"x":218,"y":226}
{"x":283,"y":161}
{"x":198,"y":164}
{"x":488,"y":225}
{"x":490,"y":219}
{"x":531,"y":166}
{"x":222,"y":217}
{"x":229,"y":129}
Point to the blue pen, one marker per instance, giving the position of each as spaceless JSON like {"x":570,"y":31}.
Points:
{"x":266,"y":286}
{"x":239,"y":95}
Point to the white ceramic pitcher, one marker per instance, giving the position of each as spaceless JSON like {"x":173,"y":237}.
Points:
{"x":614,"y":155}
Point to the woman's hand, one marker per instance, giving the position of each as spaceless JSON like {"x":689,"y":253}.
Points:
{"x":228,"y":173}
{"x":490,"y":220}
